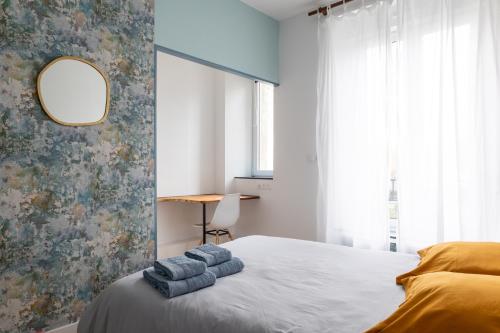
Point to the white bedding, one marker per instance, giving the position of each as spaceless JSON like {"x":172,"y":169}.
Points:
{"x":287,"y":286}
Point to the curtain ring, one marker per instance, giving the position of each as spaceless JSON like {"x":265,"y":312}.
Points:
{"x":325,"y":12}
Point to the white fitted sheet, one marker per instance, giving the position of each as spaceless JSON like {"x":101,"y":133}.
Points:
{"x":287,"y":285}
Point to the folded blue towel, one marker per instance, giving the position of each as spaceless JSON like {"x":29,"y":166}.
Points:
{"x":233,"y":266}
{"x":178,"y":268}
{"x":171,"y":288}
{"x":210,"y":254}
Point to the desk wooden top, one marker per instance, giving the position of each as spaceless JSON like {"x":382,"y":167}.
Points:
{"x":202,"y":198}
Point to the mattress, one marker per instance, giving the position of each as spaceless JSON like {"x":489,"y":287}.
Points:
{"x":287,"y":285}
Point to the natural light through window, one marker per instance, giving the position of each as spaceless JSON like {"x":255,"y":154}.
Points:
{"x":430,"y":73}
{"x":263,"y":141}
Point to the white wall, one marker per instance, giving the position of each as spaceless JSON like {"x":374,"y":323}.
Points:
{"x":204,"y":124}
{"x":220,"y":133}
{"x":233,"y":130}
{"x":238,"y":129}
{"x":287,"y":207}
{"x":186,"y":127}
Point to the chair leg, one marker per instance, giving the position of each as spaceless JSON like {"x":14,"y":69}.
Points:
{"x":229,"y":235}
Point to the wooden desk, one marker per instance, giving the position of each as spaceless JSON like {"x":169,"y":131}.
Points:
{"x":203,"y":199}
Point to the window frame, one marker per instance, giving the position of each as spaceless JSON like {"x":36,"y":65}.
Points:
{"x":256,"y":172}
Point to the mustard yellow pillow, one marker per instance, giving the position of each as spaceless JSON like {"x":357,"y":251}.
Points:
{"x":445,"y":302}
{"x":461,"y":257}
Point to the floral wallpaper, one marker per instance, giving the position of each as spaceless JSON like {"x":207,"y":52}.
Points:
{"x":76,"y":203}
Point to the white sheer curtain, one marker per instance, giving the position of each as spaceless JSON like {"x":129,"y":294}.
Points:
{"x":351,"y":126}
{"x":449,"y":121}
{"x":410,"y":88}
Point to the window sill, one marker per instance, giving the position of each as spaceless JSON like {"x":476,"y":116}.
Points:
{"x":258,"y":178}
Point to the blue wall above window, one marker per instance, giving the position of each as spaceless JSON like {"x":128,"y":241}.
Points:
{"x":226,"y":33}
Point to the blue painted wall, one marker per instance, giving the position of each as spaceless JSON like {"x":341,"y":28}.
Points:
{"x":227,"y":33}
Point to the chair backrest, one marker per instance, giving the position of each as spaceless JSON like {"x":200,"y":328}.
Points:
{"x":227,"y":212}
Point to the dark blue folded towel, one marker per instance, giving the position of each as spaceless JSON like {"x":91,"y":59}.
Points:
{"x":171,"y":288}
{"x":210,"y":254}
{"x":178,"y":268}
{"x":233,"y":266}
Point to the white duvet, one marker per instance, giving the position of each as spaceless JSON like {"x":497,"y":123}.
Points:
{"x":287,"y":286}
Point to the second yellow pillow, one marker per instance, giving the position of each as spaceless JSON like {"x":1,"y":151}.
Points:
{"x":445,"y":302}
{"x":460,"y":257}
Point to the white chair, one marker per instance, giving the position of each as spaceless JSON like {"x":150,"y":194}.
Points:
{"x":226,"y":215}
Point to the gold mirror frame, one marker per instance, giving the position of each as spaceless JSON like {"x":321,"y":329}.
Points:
{"x":46,"y":109}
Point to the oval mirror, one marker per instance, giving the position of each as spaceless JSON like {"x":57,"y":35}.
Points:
{"x":74,"y":92}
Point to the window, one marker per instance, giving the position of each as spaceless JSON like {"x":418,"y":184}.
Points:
{"x":263,"y":130}
{"x":451,"y":81}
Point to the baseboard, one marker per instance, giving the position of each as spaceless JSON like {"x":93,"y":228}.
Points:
{"x":71,"y":328}
{"x":166,"y":250}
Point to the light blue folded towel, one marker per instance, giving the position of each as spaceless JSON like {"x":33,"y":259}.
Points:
{"x":170,"y":288}
{"x":210,"y":254}
{"x":178,"y":268}
{"x":233,"y":266}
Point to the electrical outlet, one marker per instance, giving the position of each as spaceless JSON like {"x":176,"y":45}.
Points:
{"x":264,"y":187}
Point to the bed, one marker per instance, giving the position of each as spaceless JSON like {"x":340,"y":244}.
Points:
{"x":287,"y":285}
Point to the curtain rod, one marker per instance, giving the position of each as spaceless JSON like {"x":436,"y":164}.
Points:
{"x":324,"y":10}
